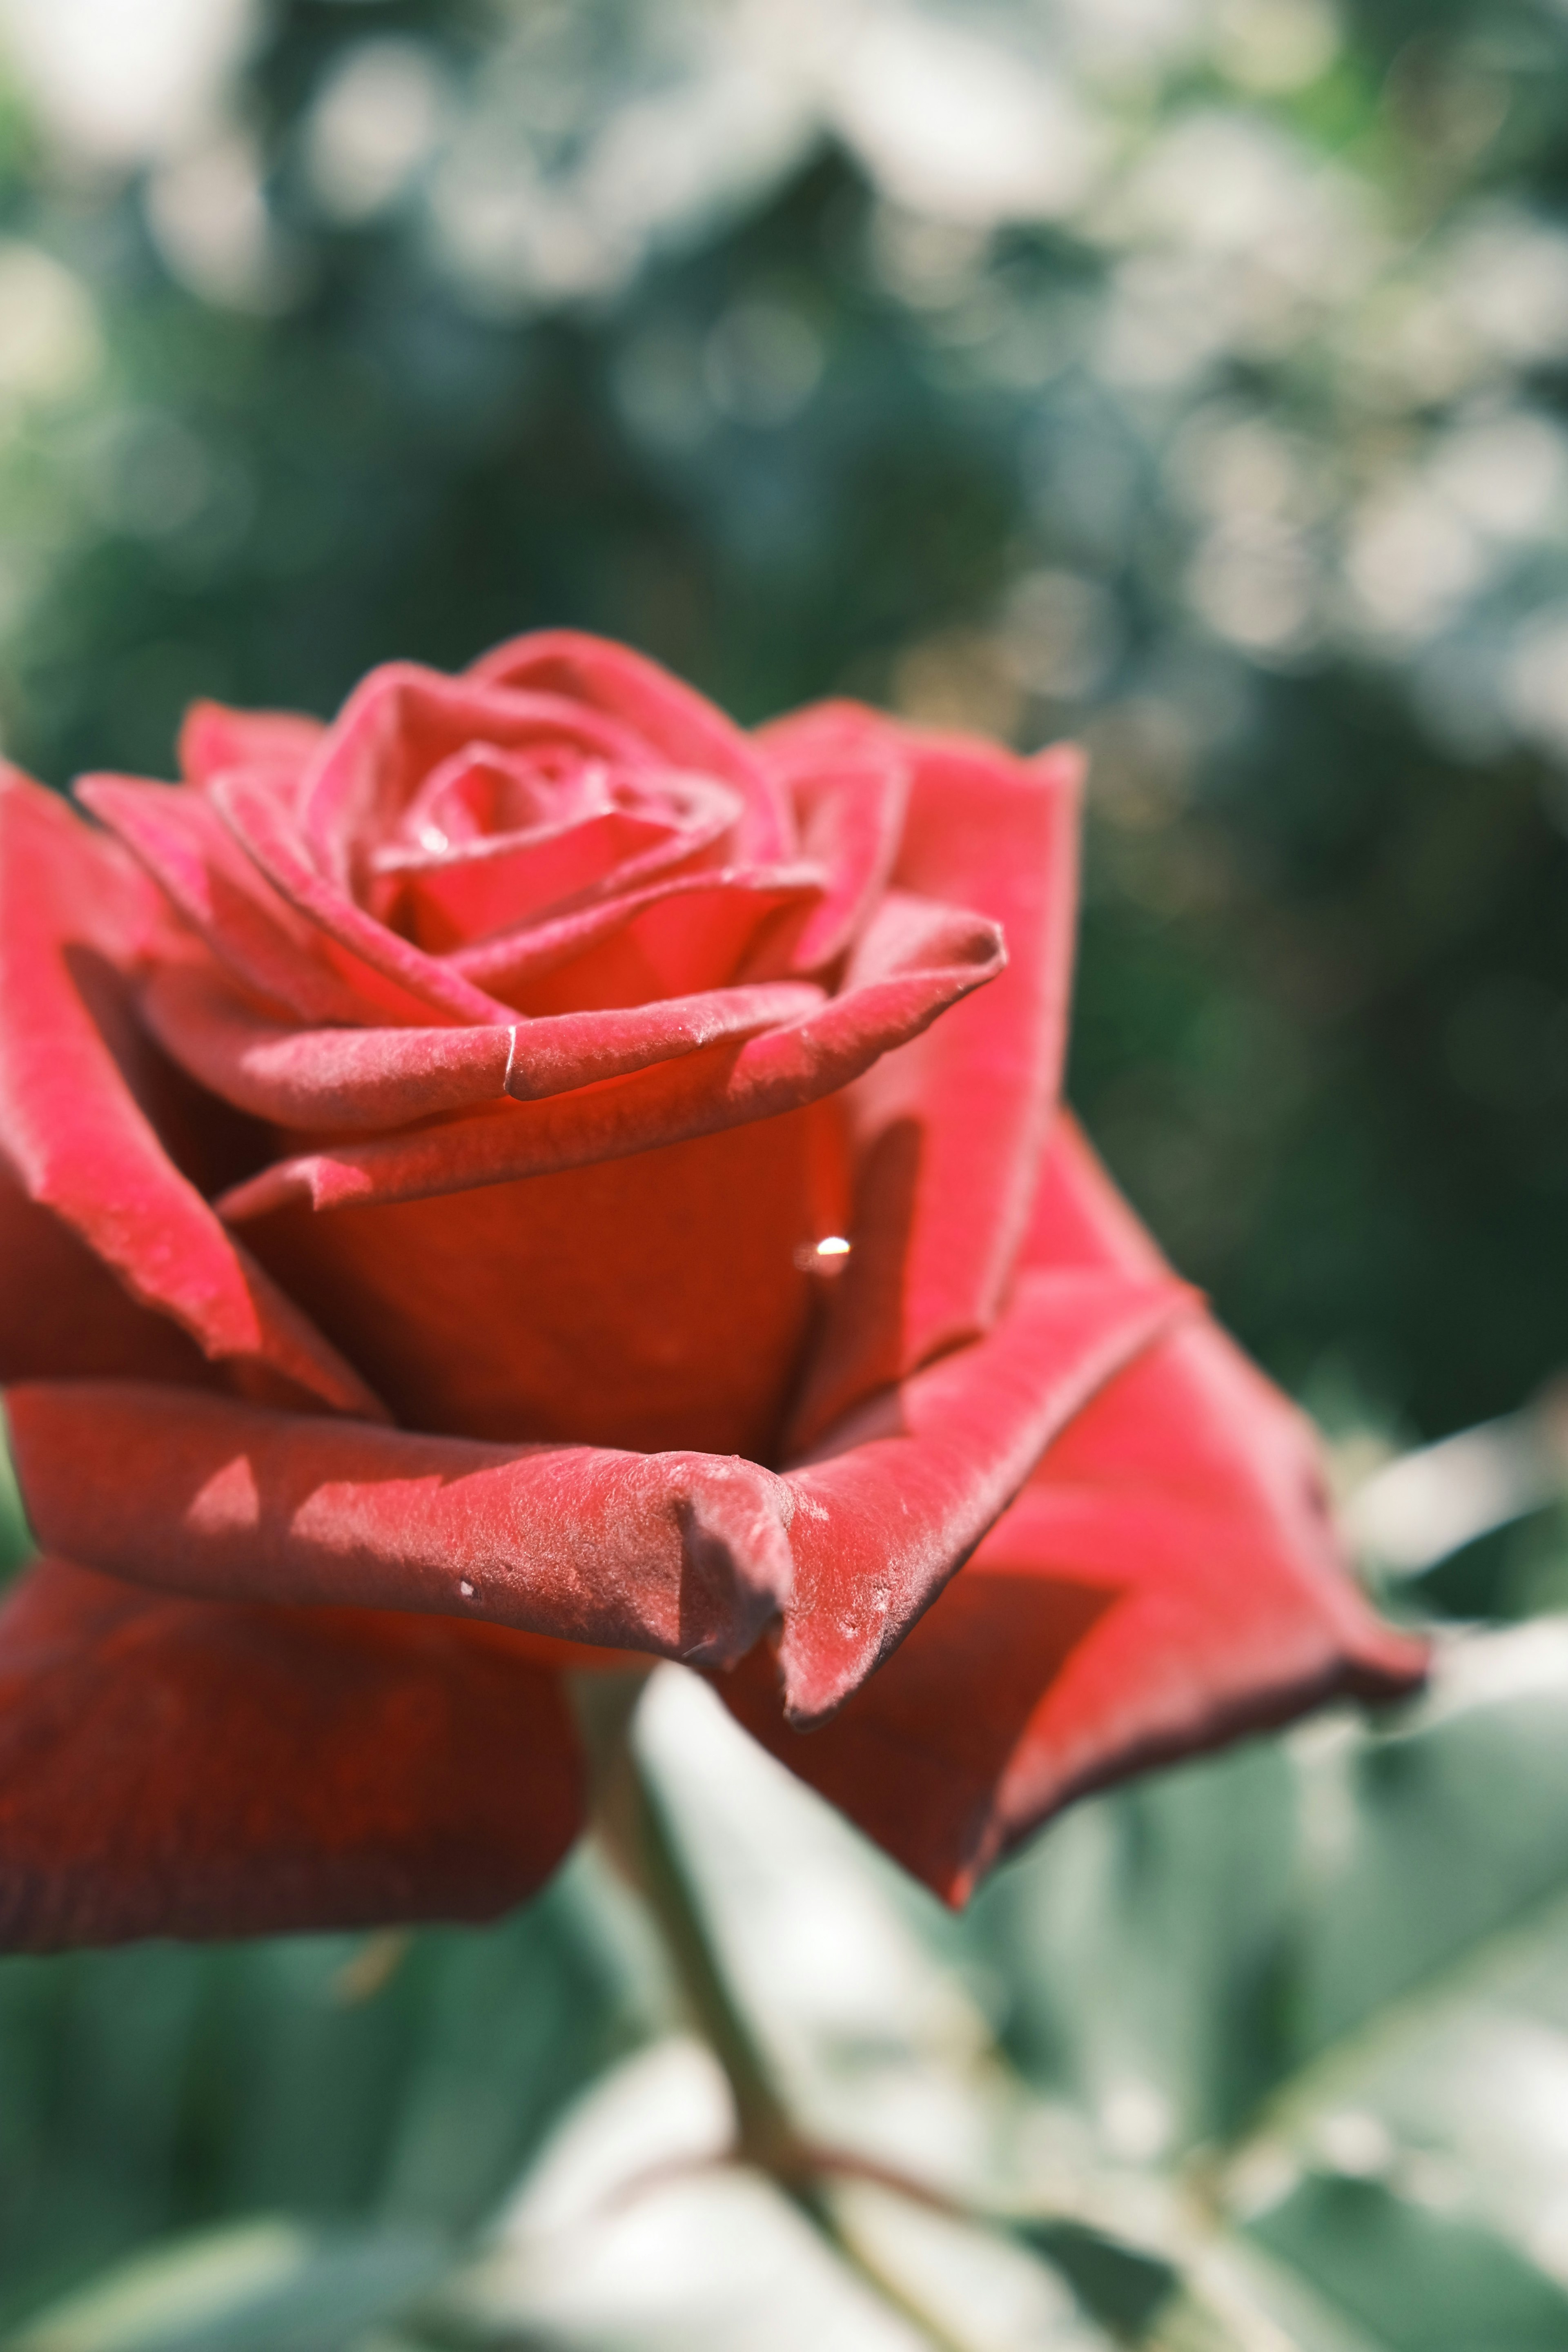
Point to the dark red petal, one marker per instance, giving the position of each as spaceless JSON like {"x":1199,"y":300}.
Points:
{"x":948,"y":1133}
{"x":191,"y":1768}
{"x":663,"y":1300}
{"x":912,"y":963}
{"x":390,"y":976}
{"x":357,"y":1078}
{"x":178,"y":839}
{"x":670,"y":717}
{"x":1168,"y":1580}
{"x":62,"y":1312}
{"x":74,"y":911}
{"x":684,"y":1554}
{"x":213,"y":738}
{"x":908,"y":1487}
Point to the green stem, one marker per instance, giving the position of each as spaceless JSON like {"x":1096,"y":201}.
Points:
{"x":633,"y":1825}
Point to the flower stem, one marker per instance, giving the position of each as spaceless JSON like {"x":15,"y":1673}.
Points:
{"x":633,"y":1827}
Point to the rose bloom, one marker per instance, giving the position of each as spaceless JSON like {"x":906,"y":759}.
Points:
{"x":528,"y":1178}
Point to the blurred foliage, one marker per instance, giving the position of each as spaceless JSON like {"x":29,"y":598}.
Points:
{"x":1190,"y":374}
{"x":1270,"y":2053}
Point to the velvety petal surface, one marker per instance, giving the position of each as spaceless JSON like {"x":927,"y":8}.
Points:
{"x":667,"y":715}
{"x":73,"y":914}
{"x":1167,"y":1579}
{"x":914,"y":961}
{"x":655,"y":1301}
{"x":683,"y":1554}
{"x":375,"y":1079}
{"x":192,"y":1767}
{"x":184,"y":846}
{"x":214,"y":738}
{"x":949,"y":1131}
{"x":903,"y":1491}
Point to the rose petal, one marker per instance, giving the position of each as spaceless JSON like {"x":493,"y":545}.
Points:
{"x":914,"y":1479}
{"x":913,"y":961}
{"x":182,"y":843}
{"x":399,"y":725}
{"x":62,"y":1312}
{"x":73,"y":909}
{"x":388,"y":974}
{"x":686,"y":931}
{"x":348,"y":1079}
{"x":682,"y":1554}
{"x":851,"y":822}
{"x":669,"y":717}
{"x":469,"y":892}
{"x":180,"y":1767}
{"x":1167,"y":1580}
{"x":213,"y":738}
{"x":948,"y":1133}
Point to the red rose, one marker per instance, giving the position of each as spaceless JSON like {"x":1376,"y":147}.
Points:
{"x":432,"y":1142}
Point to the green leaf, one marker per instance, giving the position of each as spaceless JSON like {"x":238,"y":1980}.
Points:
{"x":18,"y":1544}
{"x":253,"y":2288}
{"x":1120,"y":2284}
{"x":1418,"y":2281}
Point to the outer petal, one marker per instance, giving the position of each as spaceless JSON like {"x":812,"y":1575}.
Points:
{"x":906,"y":1490}
{"x":682,"y":1554}
{"x":213,"y":738}
{"x":1167,"y":1579}
{"x":63,"y":1314}
{"x":370,"y":1078}
{"x":73,"y":912}
{"x":671,"y":718}
{"x":180,"y":841}
{"x":913,"y":961}
{"x":188,"y":1768}
{"x":950,"y":1132}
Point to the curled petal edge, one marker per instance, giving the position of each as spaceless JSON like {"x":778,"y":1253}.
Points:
{"x":915,"y":962}
{"x":683,"y":1555}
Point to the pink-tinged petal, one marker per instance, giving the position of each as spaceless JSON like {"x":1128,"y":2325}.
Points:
{"x":389,"y":976}
{"x":498,"y":884}
{"x":1167,"y":1580}
{"x":182,"y":843}
{"x":681,"y":1554}
{"x":344,"y":1079}
{"x":667,"y":715}
{"x":911,"y":1484}
{"x":190,"y":1768}
{"x":303,"y":1078}
{"x":660,"y":1301}
{"x":72,"y":906}
{"x":913,"y":961}
{"x":948,"y":1133}
{"x":665,"y":938}
{"x":400,"y":725}
{"x":213,"y":738}
{"x":851,"y":818}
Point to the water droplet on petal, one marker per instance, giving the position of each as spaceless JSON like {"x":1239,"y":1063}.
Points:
{"x":825,"y":1256}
